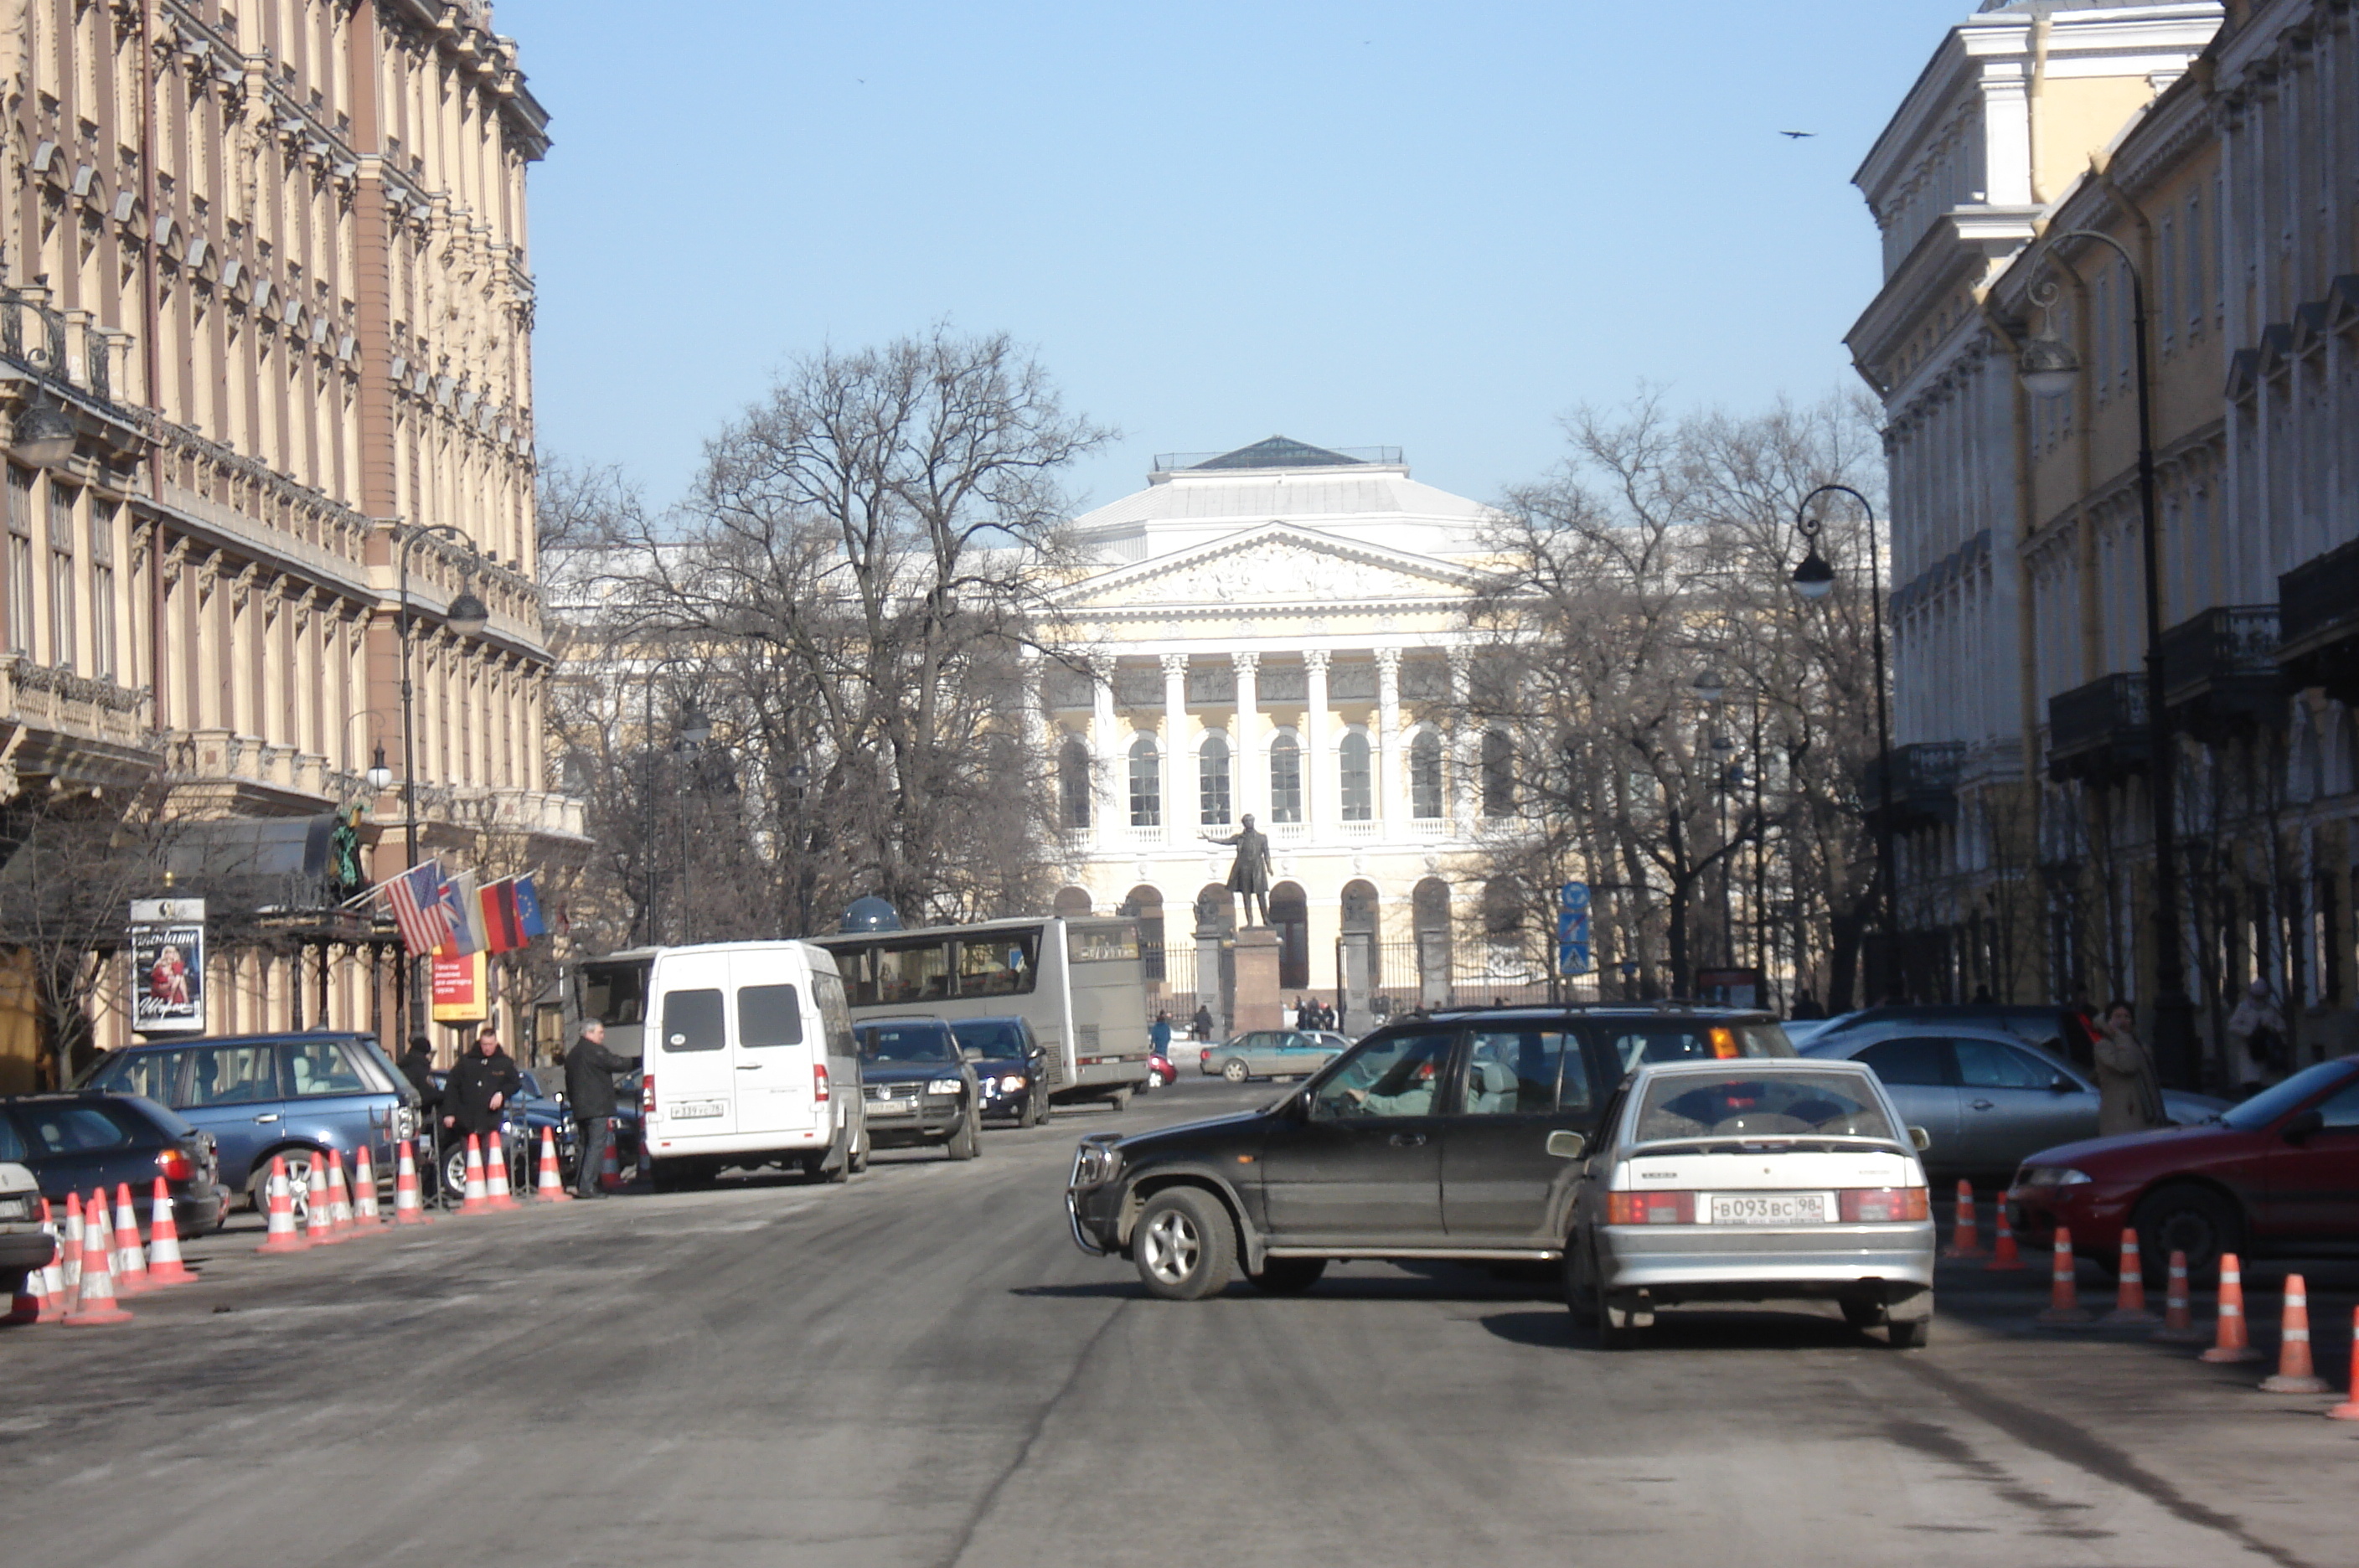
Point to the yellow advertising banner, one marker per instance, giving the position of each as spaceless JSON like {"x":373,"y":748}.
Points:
{"x":460,"y":993}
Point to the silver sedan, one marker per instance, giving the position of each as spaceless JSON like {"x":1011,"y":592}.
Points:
{"x":1272,"y":1053}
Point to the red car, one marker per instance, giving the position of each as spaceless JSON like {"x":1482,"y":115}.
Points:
{"x":2278,"y":1174}
{"x":1162,"y":1073}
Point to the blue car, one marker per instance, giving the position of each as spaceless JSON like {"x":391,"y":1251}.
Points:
{"x":1011,"y":1067}
{"x":291,"y":1096}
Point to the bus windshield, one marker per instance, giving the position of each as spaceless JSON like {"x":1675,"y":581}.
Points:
{"x":616,"y":993}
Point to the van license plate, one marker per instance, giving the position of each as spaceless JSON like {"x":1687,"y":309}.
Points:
{"x":1768,"y":1208}
{"x":681,"y":1110}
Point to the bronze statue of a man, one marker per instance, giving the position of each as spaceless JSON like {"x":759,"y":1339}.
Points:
{"x":1249,"y":874}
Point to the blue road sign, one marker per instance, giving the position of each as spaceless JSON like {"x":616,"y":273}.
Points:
{"x":1572,"y":928}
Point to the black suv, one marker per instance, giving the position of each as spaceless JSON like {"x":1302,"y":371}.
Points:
{"x":1427,"y":1139}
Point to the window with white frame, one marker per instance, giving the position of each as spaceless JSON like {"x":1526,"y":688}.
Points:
{"x":1073,"y":782}
{"x":1213,"y":781}
{"x":1145,"y":784}
{"x":1425,"y":775}
{"x":1354,"y":777}
{"x":21,"y":561}
{"x":1284,"y":779}
{"x":62,"y":585}
{"x":102,"y":589}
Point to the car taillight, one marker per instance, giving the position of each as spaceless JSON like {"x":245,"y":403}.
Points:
{"x":1650,"y":1208}
{"x":1882,"y":1205}
{"x":819,"y":1081}
{"x":176,"y":1165}
{"x":647,"y":1095}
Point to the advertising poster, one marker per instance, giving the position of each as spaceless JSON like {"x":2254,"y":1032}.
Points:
{"x":459,"y":991}
{"x":167,"y":965}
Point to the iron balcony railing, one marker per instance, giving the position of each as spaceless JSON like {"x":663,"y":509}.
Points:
{"x":2100,"y":727}
{"x":1924,"y":783}
{"x":47,"y":342}
{"x":2222,"y":646}
{"x":2318,"y":602}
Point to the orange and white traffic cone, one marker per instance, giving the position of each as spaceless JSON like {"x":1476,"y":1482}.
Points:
{"x":319,"y":1209}
{"x":550,"y":1188}
{"x":2004,"y":1257}
{"x":339,"y":1200}
{"x":1965,"y":1241}
{"x":2234,"y":1342}
{"x":406,"y":1208}
{"x":366,"y":1221}
{"x":610,"y":1165}
{"x":97,"y":1304}
{"x":53,"y":1272}
{"x":2349,"y":1409}
{"x":70,"y":1249}
{"x":2130,"y":1295}
{"x":495,"y":1173}
{"x":2063,"y":1288}
{"x":478,"y":1198}
{"x":2177,"y":1319}
{"x":2295,"y":1375}
{"x":164,"y":1264}
{"x":282,"y":1236}
{"x":130,"y":1258}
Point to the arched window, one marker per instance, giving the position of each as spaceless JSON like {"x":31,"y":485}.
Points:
{"x":1284,"y":780}
{"x":1213,"y":781}
{"x":1425,"y":775}
{"x":1352,"y":772}
{"x":1498,"y":774}
{"x":1073,"y":781}
{"x":1145,"y":784}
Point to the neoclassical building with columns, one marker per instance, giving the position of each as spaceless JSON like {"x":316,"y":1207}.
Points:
{"x":1281,"y":631}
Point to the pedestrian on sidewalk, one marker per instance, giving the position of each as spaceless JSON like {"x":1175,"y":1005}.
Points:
{"x":2257,"y":1036}
{"x":1202,"y":1022}
{"x":590,"y":1069}
{"x":2129,"y":1094}
{"x":1159,"y":1036}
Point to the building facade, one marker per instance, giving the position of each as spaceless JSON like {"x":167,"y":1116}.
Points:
{"x":267,"y":260}
{"x":1281,"y":631}
{"x":2217,"y":147}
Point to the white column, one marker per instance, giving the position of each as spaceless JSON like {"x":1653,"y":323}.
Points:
{"x":1247,"y":780}
{"x":1392,"y":802}
{"x":1320,"y":807}
{"x":1179,"y":808}
{"x":1464,"y":742}
{"x":1113,"y":767}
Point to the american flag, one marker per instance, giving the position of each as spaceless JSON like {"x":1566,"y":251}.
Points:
{"x":417,"y":899}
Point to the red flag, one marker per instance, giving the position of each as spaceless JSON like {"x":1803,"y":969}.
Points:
{"x":503,"y":927}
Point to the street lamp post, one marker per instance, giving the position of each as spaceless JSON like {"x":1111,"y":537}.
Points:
{"x":2048,"y":368}
{"x":694,"y":730}
{"x":466,"y":614}
{"x":1711,"y":691}
{"x":1815,"y":579}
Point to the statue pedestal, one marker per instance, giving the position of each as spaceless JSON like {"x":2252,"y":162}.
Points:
{"x":1257,"y":1006}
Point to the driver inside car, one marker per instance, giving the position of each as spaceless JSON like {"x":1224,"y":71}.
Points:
{"x":1396,"y":1094}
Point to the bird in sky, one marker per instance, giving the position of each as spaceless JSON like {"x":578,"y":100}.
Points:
{"x":1798,"y":136}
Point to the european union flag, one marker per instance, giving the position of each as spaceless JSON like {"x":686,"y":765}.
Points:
{"x":527,"y":909}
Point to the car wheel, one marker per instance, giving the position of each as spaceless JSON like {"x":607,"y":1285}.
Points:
{"x":1907,"y":1335}
{"x":1184,"y":1247}
{"x":300,"y":1165}
{"x":454,"y":1170}
{"x":1289,"y":1275}
{"x":966,"y":1142}
{"x":2194,"y":1220}
{"x":1030,"y":1116}
{"x":1234,"y":1072}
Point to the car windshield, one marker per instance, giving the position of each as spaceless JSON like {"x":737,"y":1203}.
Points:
{"x":999,"y":1039}
{"x":907,"y":1042}
{"x":1735,"y":1105}
{"x":2272,"y":1103}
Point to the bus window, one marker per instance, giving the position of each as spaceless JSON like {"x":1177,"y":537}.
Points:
{"x":999,"y":965}
{"x":616,"y":993}
{"x":913,"y":972}
{"x":1102,"y":944}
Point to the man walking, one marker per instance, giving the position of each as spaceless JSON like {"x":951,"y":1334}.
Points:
{"x":590,"y":1069}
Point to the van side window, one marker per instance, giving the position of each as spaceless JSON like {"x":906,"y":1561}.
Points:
{"x":770,"y":1015}
{"x":826,"y":990}
{"x":692,"y":1021}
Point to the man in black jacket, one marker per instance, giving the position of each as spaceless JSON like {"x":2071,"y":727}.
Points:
{"x":481,"y":1082}
{"x":417,"y":1066}
{"x":590,"y":1069}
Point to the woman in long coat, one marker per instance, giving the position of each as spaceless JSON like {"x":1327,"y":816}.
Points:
{"x":2129,"y":1093}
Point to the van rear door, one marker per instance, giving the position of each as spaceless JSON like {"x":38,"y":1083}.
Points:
{"x":772,"y":1062}
{"x":695,"y":1085}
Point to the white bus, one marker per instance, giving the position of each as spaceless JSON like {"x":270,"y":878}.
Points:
{"x":1078,"y":982}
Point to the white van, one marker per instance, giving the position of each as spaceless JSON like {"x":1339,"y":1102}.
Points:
{"x":748,"y":1059}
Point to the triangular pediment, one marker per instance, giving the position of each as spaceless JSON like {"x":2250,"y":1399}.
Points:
{"x":1277,"y":563}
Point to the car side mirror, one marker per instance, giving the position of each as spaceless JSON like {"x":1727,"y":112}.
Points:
{"x":1920,"y":1140}
{"x":2060,"y":1085}
{"x":2299,"y":1129}
{"x":1567,"y":1145}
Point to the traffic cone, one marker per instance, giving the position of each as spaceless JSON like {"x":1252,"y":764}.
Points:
{"x":2349,"y":1409}
{"x":2063,"y":1290}
{"x":407,"y":1209}
{"x":610,"y":1165}
{"x":550,"y":1188}
{"x":2130,"y":1295}
{"x":164,"y":1265}
{"x":97,"y":1304}
{"x":319,"y":1208}
{"x":1964,"y":1241}
{"x":53,"y":1273}
{"x":2233,"y":1343}
{"x":495,"y":1173}
{"x":2177,"y":1320}
{"x":340,"y":1200}
{"x":478,"y":1198}
{"x":366,"y":1221}
{"x":130,"y":1258}
{"x":2004,"y":1257}
{"x":2294,"y":1374}
{"x":282,"y":1236}
{"x":70,"y":1249}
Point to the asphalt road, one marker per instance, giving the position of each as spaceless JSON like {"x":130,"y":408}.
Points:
{"x":919,"y":1369}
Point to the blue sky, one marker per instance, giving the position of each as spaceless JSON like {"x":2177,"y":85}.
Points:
{"x":1432,"y":226}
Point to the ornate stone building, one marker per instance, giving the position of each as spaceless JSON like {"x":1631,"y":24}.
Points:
{"x":267,"y":260}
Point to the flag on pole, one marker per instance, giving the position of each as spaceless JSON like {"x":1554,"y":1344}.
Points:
{"x":465,"y":912}
{"x":527,"y":907}
{"x":503,"y":932}
{"x":415,"y":897}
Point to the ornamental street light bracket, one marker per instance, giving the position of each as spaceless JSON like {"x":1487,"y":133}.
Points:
{"x":2048,"y":367}
{"x":379,"y":776}
{"x":467,"y":615}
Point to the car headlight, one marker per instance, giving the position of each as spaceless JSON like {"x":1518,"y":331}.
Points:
{"x":1011,"y":1082}
{"x":945,"y":1086}
{"x":1094,"y":1164}
{"x":2050,"y":1176}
